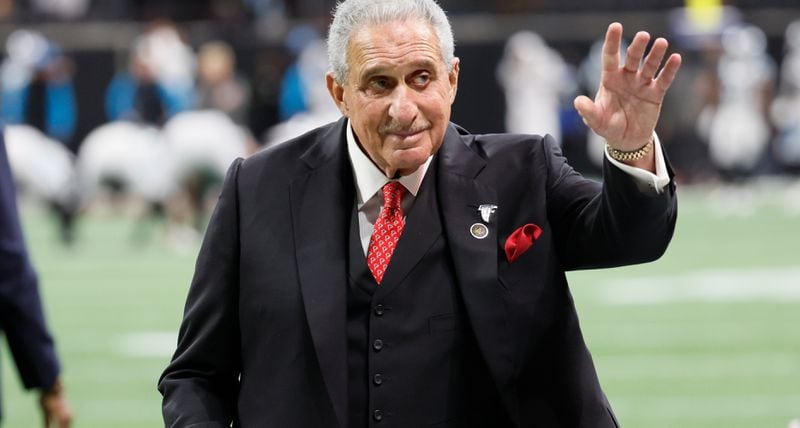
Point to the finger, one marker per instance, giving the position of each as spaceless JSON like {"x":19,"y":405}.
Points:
{"x":667,"y":74}
{"x":654,"y":58}
{"x":611,"y":47}
{"x":635,"y":53}
{"x":588,"y":111}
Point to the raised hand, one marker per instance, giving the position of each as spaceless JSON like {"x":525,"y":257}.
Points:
{"x":628,"y":103}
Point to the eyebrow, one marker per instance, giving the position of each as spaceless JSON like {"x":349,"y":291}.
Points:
{"x":380,"y":69}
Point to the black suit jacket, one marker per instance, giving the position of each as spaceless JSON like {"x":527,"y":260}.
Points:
{"x":263,"y":343}
{"x":21,"y":316}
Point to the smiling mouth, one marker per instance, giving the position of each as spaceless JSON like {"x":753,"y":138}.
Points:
{"x":406,"y":134}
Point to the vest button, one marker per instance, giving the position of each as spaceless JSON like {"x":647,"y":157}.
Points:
{"x":379,"y":310}
{"x":377,"y":345}
{"x":377,"y":415}
{"x":377,"y":379}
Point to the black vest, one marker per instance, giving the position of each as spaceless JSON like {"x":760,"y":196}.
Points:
{"x":412,"y":356}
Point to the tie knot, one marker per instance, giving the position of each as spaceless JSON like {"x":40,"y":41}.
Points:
{"x":393,"y":193}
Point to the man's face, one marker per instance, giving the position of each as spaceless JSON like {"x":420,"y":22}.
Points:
{"x":397,"y":95}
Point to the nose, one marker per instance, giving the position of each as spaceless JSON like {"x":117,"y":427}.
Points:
{"x":403,"y":108}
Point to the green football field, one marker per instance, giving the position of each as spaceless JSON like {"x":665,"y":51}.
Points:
{"x":709,"y":336}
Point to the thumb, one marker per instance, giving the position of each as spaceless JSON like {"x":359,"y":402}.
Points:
{"x":588,"y":111}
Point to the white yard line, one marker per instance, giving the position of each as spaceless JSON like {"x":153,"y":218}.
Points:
{"x":697,"y":407}
{"x":667,"y":367}
{"x":778,"y":285}
{"x":145,"y":344}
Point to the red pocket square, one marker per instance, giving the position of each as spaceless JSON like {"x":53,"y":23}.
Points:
{"x":522,"y":239}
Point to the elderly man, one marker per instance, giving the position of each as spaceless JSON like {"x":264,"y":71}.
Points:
{"x":392,"y":269}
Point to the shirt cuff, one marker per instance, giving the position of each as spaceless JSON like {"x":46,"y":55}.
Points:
{"x":647,"y":181}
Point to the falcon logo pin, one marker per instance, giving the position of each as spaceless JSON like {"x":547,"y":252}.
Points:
{"x":486,"y":211}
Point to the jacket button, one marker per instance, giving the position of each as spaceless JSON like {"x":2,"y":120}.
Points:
{"x":377,"y":379}
{"x":377,"y":415}
{"x":377,"y":345}
{"x":379,"y":310}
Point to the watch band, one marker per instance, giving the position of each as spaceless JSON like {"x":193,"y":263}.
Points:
{"x":624,"y":156}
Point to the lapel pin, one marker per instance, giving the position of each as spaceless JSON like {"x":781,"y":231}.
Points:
{"x":486,"y":211}
{"x":479,"y":231}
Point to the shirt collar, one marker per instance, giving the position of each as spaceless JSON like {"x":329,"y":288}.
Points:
{"x":369,"y":179}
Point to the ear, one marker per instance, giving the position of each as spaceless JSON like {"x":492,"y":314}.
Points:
{"x":337,"y":93}
{"x":453,"y":77}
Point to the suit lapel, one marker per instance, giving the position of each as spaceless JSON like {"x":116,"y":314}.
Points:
{"x":322,"y":202}
{"x":460,"y":193}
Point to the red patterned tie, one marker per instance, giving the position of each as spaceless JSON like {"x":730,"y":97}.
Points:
{"x":387,"y":230}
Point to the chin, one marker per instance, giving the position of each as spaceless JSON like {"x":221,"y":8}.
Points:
{"x":408,"y":168}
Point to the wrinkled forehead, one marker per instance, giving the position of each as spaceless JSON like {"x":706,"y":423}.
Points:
{"x":392,"y":44}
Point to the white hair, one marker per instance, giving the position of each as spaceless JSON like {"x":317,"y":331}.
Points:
{"x":353,"y":15}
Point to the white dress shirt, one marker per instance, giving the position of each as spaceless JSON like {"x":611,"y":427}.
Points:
{"x":369,"y":181}
{"x":646,"y":179}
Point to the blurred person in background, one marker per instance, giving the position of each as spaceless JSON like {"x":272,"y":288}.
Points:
{"x":267,"y":72}
{"x":38,"y":99}
{"x":37,"y":86}
{"x":129,"y":155}
{"x":21,"y":315}
{"x":697,"y":30}
{"x":738,"y":129}
{"x":44,"y":170}
{"x":159,"y":82}
{"x":313,"y":307}
{"x":533,"y":76}
{"x":135,"y":95}
{"x":219,"y":86}
{"x":785,"y":110}
{"x":203,"y":143}
{"x":293,"y":97}
{"x":312,"y":65}
{"x":126,"y":166}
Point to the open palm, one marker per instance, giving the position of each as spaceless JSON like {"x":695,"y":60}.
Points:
{"x":628,"y":103}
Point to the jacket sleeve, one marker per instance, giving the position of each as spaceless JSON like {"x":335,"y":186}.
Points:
{"x":21,"y":315}
{"x":200,"y":384}
{"x":610,"y":224}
